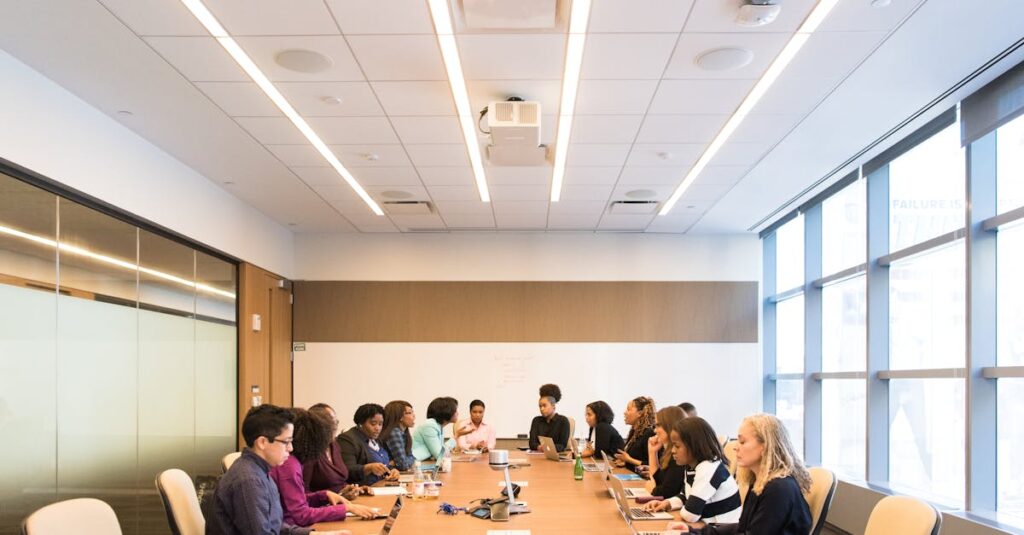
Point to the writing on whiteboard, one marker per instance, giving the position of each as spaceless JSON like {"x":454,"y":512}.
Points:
{"x":511,"y":369}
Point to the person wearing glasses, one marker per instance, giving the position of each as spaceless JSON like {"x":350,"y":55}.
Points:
{"x":246,"y":501}
{"x":366,"y":458}
{"x":328,"y":471}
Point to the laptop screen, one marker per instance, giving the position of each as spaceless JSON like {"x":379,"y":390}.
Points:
{"x":390,"y":522}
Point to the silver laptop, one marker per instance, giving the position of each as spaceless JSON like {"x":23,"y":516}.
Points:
{"x":390,"y":522}
{"x":631,"y":492}
{"x":551,"y":452}
{"x":634,"y":513}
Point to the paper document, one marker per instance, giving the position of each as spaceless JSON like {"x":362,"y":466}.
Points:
{"x":386,"y":491}
{"x":520,"y":483}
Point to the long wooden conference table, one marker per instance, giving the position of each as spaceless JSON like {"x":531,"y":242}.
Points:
{"x":558,"y":503}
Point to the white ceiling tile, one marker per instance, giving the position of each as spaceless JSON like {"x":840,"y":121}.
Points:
{"x":723,"y":174}
{"x":573,"y":221}
{"x":347,"y":130}
{"x":468,"y":221}
{"x":264,"y":50}
{"x":454,"y":193}
{"x":576,"y":207}
{"x":427,"y":129}
{"x":591,"y":175}
{"x":862,"y":16}
{"x":548,"y":126}
{"x":664,"y":155}
{"x":272,"y":130}
{"x":463,"y":207}
{"x":438,"y":155}
{"x":520,"y":207}
{"x":198,"y":58}
{"x":661,"y":192}
{"x":521,"y":221}
{"x":308,"y":98}
{"x":339,"y":194}
{"x":590,"y":192}
{"x":532,"y":192}
{"x":156,"y":17}
{"x":273,"y":17}
{"x":627,"y":56}
{"x":319,"y":175}
{"x":672,"y":225}
{"x":399,"y":57}
{"x":418,"y":193}
{"x":625,"y":222}
{"x":705,"y":192}
{"x":377,"y":229}
{"x":297,"y":155}
{"x":239,"y":98}
{"x":680,"y":128}
{"x":632,"y":16}
{"x":375,"y":17}
{"x":597,"y":155}
{"x":832,"y":55}
{"x":614,"y":97}
{"x":372,"y":156}
{"x":605,"y":128}
{"x":720,"y":16}
{"x":518,"y":175}
{"x":653,"y":175}
{"x":447,"y":176}
{"x":385,"y":176}
{"x":765,"y":46}
{"x":415,"y":98}
{"x":418,"y":222}
{"x":794,"y":95}
{"x":700,"y":96}
{"x":547,"y":92}
{"x":740,"y":153}
{"x":512,"y":56}
{"x":762,"y":128}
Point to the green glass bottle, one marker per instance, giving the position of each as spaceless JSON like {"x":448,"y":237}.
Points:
{"x":577,"y":472}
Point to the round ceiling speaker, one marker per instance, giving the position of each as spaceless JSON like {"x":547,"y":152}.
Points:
{"x":641,"y":194}
{"x":300,"y":60}
{"x":396,"y":194}
{"x":724,"y":59}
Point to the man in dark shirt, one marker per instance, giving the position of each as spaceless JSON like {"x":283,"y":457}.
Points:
{"x":247,"y":501}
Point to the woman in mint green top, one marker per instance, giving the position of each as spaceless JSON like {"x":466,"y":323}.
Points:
{"x":428,"y":438}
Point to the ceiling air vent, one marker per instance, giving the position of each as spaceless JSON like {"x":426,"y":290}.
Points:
{"x":633,"y":207}
{"x":408,"y":207}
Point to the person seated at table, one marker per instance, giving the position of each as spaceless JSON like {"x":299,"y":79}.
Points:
{"x":767,"y":465}
{"x":367,"y":459}
{"x":639,"y":416}
{"x":246,"y":500}
{"x":312,"y":434}
{"x":689,"y":409}
{"x":603,"y":436}
{"x":551,"y":390}
{"x":549,"y":423}
{"x":710,"y":494}
{"x":328,"y":471}
{"x":428,"y":438}
{"x":481,"y":436}
{"x":665,"y":472}
{"x":398,"y":420}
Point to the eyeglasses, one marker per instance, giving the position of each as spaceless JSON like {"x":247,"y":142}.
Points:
{"x":286,"y":441}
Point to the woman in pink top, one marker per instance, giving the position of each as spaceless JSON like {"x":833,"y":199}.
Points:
{"x":301,"y":508}
{"x":482,"y":435}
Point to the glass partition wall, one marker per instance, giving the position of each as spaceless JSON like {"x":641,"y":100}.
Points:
{"x":117,"y":359}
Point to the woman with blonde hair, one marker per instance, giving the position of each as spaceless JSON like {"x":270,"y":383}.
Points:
{"x":776,"y":478}
{"x":639,"y":416}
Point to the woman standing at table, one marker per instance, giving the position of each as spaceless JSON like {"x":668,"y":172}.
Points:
{"x":366,"y":458}
{"x":603,"y":436}
{"x":639,"y":416}
{"x":398,"y":419}
{"x":328,"y":471}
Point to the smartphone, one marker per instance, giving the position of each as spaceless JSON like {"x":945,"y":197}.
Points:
{"x":482,"y":513}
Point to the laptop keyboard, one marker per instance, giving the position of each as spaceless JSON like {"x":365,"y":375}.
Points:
{"x":637,"y":512}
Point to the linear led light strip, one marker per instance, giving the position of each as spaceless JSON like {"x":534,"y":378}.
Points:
{"x":450,"y":52}
{"x":207,"y":19}
{"x":68,"y":248}
{"x":794,"y":45}
{"x":570,"y":83}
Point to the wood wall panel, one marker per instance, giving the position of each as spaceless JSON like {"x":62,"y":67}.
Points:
{"x":687,"y":311}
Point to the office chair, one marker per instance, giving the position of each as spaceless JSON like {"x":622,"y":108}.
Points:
{"x":819,"y":499}
{"x":229,"y":460}
{"x":80,"y":515}
{"x":181,"y":504}
{"x":903,"y":515}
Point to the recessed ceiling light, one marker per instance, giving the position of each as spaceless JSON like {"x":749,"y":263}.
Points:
{"x":229,"y":183}
{"x":578,"y":18}
{"x":724,"y":59}
{"x":880,"y":3}
{"x":301,"y":60}
{"x":396,"y":194}
{"x":371,"y":156}
{"x":332,"y":100}
{"x":641,"y":194}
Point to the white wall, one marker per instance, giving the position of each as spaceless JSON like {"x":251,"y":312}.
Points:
{"x":52,"y":132}
{"x":527,"y":256}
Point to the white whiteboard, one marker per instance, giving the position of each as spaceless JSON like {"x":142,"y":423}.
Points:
{"x":722,"y":380}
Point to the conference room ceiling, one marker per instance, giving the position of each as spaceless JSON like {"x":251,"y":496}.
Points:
{"x":645,"y":112}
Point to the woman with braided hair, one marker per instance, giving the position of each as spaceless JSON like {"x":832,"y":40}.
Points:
{"x":639,"y":416}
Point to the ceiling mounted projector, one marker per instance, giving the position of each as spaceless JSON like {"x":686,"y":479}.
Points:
{"x":758,"y":13}
{"x":514,"y":126}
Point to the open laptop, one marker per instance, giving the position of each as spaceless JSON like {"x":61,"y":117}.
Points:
{"x":634,"y":513}
{"x":551,"y":452}
{"x":631,"y":492}
{"x":390,"y":522}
